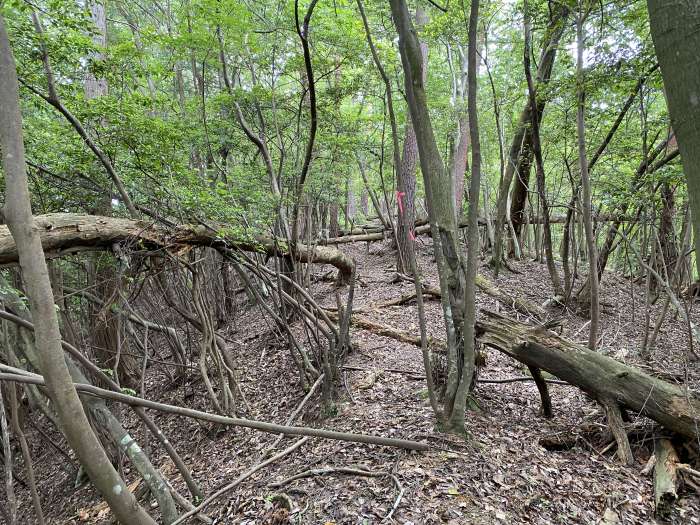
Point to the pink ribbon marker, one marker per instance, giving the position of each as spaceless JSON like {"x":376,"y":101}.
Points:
{"x":399,"y":199}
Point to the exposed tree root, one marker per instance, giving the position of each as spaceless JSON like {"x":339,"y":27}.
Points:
{"x":21,"y":376}
{"x":347,"y":471}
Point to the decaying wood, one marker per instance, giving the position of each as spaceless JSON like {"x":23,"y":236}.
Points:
{"x":517,"y":303}
{"x":600,"y":376}
{"x":372,"y":233}
{"x":665,"y":477}
{"x":359,"y":321}
{"x":65,"y":233}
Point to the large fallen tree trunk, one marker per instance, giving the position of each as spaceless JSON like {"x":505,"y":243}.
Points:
{"x":64,"y":233}
{"x":615,"y":385}
{"x":604,"y":378}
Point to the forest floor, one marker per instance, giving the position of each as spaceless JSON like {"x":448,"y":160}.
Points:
{"x":502,"y":474}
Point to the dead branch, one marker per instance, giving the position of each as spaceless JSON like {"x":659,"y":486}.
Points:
{"x":17,"y":375}
{"x":239,"y":480}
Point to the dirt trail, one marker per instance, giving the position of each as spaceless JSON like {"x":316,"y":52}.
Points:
{"x":502,"y":475}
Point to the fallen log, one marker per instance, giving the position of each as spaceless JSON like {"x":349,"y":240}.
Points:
{"x":665,"y":478}
{"x":604,"y":378}
{"x":380,"y":329}
{"x":517,"y":303}
{"x":484,"y":285}
{"x":430,"y":291}
{"x":421,"y":227}
{"x":65,"y":233}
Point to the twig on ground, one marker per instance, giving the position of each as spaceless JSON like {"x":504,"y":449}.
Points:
{"x":248,"y":473}
{"x":215,"y":418}
{"x":349,"y":471}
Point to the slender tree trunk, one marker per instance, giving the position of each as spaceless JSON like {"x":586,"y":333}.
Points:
{"x":520,"y":154}
{"x":468,"y":358}
{"x":440,"y":201}
{"x":406,"y":169}
{"x":668,"y":252}
{"x":459,"y":161}
{"x":106,"y":329}
{"x":7,"y":462}
{"x":586,"y":183}
{"x":539,"y":162}
{"x":59,"y":384}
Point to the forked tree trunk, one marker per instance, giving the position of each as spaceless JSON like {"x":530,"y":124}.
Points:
{"x":520,"y":154}
{"x":539,"y":163}
{"x":469,"y":353}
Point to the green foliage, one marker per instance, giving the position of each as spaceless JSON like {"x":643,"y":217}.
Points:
{"x":168,"y":123}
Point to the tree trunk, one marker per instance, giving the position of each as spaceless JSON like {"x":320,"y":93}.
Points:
{"x":604,"y":378}
{"x":586,"y":203}
{"x":459,"y":160}
{"x":537,"y":148}
{"x":674,"y":30}
{"x":440,"y":200}
{"x":59,"y":384}
{"x":544,"y":73}
{"x":406,"y":171}
{"x":668,"y":252}
{"x":520,"y":154}
{"x":469,"y":353}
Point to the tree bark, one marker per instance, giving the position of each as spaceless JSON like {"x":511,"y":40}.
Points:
{"x":586,"y":203}
{"x":539,"y":162}
{"x":29,"y":250}
{"x":406,"y":169}
{"x":674,"y":30}
{"x":469,"y":353}
{"x":64,"y":233}
{"x":440,"y":200}
{"x":604,"y":378}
